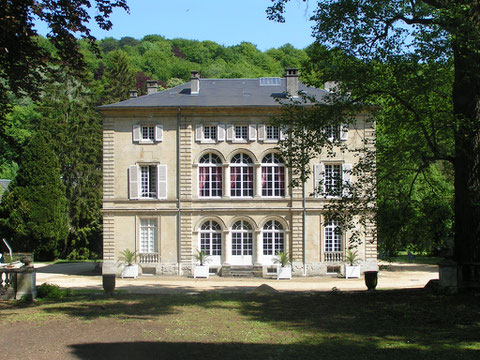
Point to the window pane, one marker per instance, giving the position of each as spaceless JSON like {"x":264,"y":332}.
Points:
{"x":148,"y":235}
{"x":148,"y":181}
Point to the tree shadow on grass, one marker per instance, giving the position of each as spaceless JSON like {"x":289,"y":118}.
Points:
{"x":332,"y":349}
{"x":327,"y":322}
{"x":413,"y":316}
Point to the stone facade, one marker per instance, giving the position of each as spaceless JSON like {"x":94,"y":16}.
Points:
{"x":167,"y":230}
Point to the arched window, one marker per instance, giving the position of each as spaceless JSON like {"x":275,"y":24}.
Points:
{"x":241,"y":176}
{"x":210,"y":176}
{"x":273,"y":238}
{"x":211,"y":238}
{"x":242,"y":238}
{"x":273,"y":176}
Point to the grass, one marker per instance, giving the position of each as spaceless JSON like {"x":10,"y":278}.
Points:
{"x":407,"y":324}
{"x":402,"y":257}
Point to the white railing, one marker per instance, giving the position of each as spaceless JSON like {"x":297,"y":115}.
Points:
{"x":149,"y":258}
{"x":333,"y":256}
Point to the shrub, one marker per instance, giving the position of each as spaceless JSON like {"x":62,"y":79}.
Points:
{"x":50,"y":291}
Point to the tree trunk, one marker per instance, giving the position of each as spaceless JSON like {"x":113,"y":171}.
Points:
{"x":466,"y":104}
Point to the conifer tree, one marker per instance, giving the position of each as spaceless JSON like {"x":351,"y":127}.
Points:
{"x":33,"y":213}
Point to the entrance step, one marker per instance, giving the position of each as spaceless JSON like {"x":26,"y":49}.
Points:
{"x":244,"y":271}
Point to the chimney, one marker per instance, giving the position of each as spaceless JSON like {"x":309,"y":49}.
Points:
{"x":152,"y":86}
{"x":291,"y":75}
{"x":195,"y":83}
{"x":133,"y":93}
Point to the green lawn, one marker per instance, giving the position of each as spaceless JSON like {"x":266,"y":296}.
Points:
{"x":402,"y":257}
{"x":407,"y":324}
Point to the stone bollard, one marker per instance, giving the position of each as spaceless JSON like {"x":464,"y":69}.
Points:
{"x":108,"y":281}
{"x":25,"y":283}
{"x":448,"y":275}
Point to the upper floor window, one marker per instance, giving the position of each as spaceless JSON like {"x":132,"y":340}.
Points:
{"x":210,"y":176}
{"x":332,"y":179}
{"x":147,"y":181}
{"x":210,"y":132}
{"x":272,"y":132}
{"x":337,"y":132}
{"x":147,"y":133}
{"x":241,"y":176}
{"x":273,"y":175}
{"x":241,"y":132}
{"x":148,"y":184}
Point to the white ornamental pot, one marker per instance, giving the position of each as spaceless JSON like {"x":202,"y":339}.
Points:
{"x":284,"y":272}
{"x":352,"y":271}
{"x":201,"y":271}
{"x":130,"y":271}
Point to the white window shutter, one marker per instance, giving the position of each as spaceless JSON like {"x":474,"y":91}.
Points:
{"x":161,"y":181}
{"x":283,"y":133}
{"x":199,"y":132}
{"x":317,"y":179}
{"x":252,"y":132}
{"x":322,"y":190}
{"x":221,"y":132}
{"x":134,"y":182}
{"x":136,"y":133}
{"x":346,"y":179}
{"x":158,"y":132}
{"x":229,"y":132}
{"x":344,"y":132}
{"x":261,"y":132}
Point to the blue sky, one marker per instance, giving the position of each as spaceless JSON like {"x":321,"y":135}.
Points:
{"x":227,"y":22}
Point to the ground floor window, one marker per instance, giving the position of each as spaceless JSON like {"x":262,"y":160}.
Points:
{"x":148,"y":235}
{"x":333,"y":236}
{"x":273,"y":238}
{"x":242,"y":238}
{"x":211,"y":238}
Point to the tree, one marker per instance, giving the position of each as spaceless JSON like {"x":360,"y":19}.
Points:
{"x":120,"y":77}
{"x":33,"y":213}
{"x":433,"y":31}
{"x":74,"y":132}
{"x":23,"y":59}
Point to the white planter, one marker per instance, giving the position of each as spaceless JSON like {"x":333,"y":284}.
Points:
{"x":284,"y":272}
{"x":352,"y":271}
{"x":201,"y":271}
{"x":130,"y":271}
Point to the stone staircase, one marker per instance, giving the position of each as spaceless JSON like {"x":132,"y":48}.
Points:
{"x":241,"y":271}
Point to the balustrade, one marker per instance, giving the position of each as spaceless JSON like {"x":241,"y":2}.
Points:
{"x":148,"y":258}
{"x":333,"y":256}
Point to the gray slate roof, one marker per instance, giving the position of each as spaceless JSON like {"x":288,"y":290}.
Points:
{"x":218,"y":93}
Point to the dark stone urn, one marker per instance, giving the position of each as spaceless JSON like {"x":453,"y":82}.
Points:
{"x":108,"y":281}
{"x":371,"y":279}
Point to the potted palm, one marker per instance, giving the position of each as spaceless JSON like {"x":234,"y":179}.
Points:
{"x":284,"y":268}
{"x":201,"y":269}
{"x":352,"y":268}
{"x":127,"y":259}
